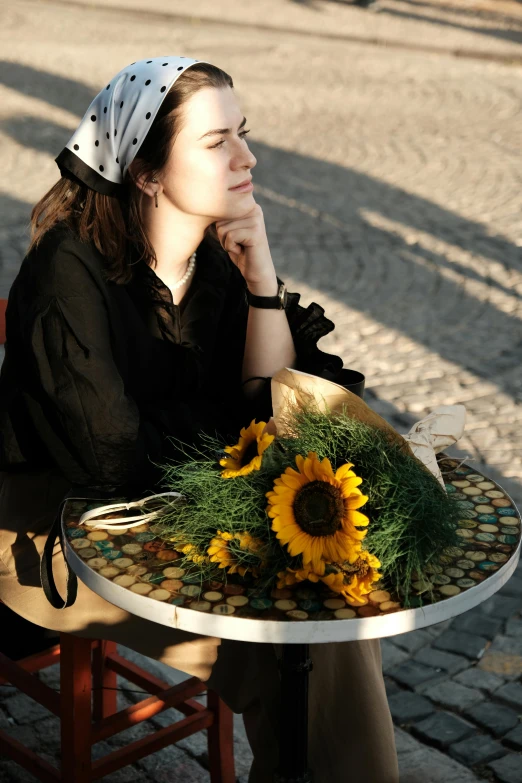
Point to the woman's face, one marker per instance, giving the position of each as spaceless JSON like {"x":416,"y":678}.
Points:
{"x":202,"y":168}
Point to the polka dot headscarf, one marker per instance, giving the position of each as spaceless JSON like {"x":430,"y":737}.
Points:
{"x":114,"y":126}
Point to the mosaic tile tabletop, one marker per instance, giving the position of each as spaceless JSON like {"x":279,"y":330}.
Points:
{"x":138,"y":561}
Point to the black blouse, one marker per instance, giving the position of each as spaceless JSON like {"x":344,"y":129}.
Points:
{"x":96,"y":374}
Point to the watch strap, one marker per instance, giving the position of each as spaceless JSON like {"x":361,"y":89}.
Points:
{"x":277,"y":302}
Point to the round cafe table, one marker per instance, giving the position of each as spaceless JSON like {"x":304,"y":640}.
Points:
{"x":136,"y":571}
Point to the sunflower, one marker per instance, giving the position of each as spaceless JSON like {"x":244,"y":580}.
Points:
{"x":247,"y":454}
{"x":190,"y":551}
{"x":353,"y":579}
{"x":314,"y":511}
{"x":294,"y":575}
{"x":250,"y":542}
{"x":221,"y":551}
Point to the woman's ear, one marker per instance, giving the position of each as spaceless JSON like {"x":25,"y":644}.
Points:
{"x":143,"y":181}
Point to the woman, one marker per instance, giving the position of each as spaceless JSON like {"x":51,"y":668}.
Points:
{"x":147,"y":306}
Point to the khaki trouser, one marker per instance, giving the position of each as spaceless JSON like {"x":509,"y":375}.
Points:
{"x":350,"y":729}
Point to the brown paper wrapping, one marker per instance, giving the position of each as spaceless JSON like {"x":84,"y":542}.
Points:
{"x":293,"y":387}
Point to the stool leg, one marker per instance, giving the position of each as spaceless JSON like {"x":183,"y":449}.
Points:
{"x":220,"y":745}
{"x":75,"y":693}
{"x":105,"y":681}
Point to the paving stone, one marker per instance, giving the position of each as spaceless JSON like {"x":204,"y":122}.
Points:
{"x":391,"y":655}
{"x":413,"y":640}
{"x":478,"y":678}
{"x":14,"y":773}
{"x":423,"y":686}
{"x":51,"y":676}
{"x":511,"y":694}
{"x":514,"y":738}
{"x":494,"y":717}
{"x":508,"y":769}
{"x":412,"y":673}
{"x":417,"y":759}
{"x":507,"y":666}
{"x":443,"y":729}
{"x":48,"y":733}
{"x":453,"y":694}
{"x":195,"y":745}
{"x":502,"y":606}
{"x":406,"y":707}
{"x":511,"y":645}
{"x":513,"y":587}
{"x":468,"y":644}
{"x":477,"y":623}
{"x":438,"y":659}
{"x":514,"y":628}
{"x":5,"y":720}
{"x":160,"y":766}
{"x":390,"y":685}
{"x":139,"y":731}
{"x":129,"y":774}
{"x":24,"y":734}
{"x":24,"y":709}
{"x":504,"y":657}
{"x":477,"y":749}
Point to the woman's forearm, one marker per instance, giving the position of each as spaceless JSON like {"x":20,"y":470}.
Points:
{"x":269,"y":345}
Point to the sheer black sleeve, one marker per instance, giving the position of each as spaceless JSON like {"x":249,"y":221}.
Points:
{"x":307,"y":326}
{"x":91,"y":427}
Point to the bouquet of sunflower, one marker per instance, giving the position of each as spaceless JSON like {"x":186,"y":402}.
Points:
{"x":325,"y":491}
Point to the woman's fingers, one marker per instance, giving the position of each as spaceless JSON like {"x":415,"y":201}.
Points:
{"x":234,"y":240}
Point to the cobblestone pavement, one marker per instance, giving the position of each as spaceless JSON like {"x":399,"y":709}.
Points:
{"x":389,"y":175}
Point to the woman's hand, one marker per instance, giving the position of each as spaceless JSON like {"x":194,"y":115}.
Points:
{"x":246,"y":243}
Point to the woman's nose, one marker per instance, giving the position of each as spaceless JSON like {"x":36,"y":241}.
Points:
{"x":251,"y":160}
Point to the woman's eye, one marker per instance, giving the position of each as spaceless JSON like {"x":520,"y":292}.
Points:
{"x":242,"y":134}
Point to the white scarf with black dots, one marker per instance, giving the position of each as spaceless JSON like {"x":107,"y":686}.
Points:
{"x":114,"y":126}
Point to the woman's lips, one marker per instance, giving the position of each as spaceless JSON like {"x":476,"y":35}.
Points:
{"x":243,"y":188}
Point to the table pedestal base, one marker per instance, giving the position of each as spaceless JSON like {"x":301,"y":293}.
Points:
{"x":293,"y":731}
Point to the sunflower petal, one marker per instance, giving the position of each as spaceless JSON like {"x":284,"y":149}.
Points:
{"x":344,"y":471}
{"x":292,"y":482}
{"x":283,"y":522}
{"x":290,"y":531}
{"x":282,"y":489}
{"x":358,"y":519}
{"x":323,"y":469}
{"x":299,"y":461}
{"x":308,"y":469}
{"x":355,"y":502}
{"x":348,"y":485}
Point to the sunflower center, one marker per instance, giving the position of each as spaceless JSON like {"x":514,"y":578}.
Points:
{"x":249,"y":453}
{"x":318,"y":508}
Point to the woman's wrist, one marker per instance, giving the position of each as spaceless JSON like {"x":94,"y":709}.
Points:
{"x":268,"y":287}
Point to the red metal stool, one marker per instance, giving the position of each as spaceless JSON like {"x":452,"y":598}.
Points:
{"x":86,"y":706}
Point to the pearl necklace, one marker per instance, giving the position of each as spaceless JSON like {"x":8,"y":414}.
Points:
{"x":190,"y":269}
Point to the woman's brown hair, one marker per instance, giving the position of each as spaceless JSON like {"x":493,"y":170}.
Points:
{"x":113,"y":223}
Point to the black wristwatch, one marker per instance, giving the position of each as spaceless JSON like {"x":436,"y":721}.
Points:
{"x":277,"y":302}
